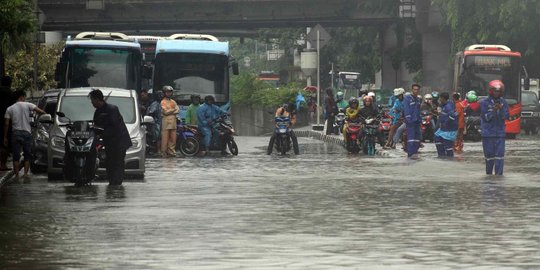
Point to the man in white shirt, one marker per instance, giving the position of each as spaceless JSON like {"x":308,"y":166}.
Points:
{"x":19,"y":115}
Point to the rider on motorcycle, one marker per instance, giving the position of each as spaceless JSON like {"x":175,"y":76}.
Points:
{"x":472,"y":106}
{"x":341,"y":104}
{"x":283,"y":111}
{"x":369,"y":111}
{"x":206,"y":114}
{"x":351,"y":114}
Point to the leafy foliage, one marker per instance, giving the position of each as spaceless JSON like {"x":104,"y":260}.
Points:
{"x":20,"y":66}
{"x":509,"y":22}
{"x":16,"y":22}
{"x":247,"y":90}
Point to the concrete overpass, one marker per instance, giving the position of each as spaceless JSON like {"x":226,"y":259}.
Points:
{"x":151,"y":15}
{"x":244,"y":17}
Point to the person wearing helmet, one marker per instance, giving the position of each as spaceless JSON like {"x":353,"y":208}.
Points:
{"x":352,"y":114}
{"x":341,"y":104}
{"x":369,"y":111}
{"x":286,"y":110}
{"x":331,"y":110}
{"x":206,"y":114}
{"x":435,"y":95}
{"x":191,"y":113}
{"x":494,"y":113}
{"x":397,"y":120}
{"x":169,"y":109}
{"x":427,"y":104}
{"x":413,"y":120}
{"x":154,"y":133}
{"x":445,"y":136}
{"x":460,"y":110}
{"x":472,"y":107}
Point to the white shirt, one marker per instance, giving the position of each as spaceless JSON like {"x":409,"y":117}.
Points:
{"x":19,"y":113}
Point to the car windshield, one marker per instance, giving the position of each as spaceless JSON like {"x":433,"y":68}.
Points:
{"x":528,"y":99}
{"x":79,"y":108}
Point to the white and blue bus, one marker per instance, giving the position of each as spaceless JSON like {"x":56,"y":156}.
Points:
{"x":194,"y":65}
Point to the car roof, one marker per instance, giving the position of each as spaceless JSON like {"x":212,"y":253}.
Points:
{"x":107,"y":91}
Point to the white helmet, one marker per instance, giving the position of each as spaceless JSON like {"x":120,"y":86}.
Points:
{"x":399,"y":91}
{"x":371,"y":94}
{"x":428,"y":96}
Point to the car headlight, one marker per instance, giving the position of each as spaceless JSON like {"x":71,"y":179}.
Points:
{"x":135,"y":143}
{"x":58,"y":142}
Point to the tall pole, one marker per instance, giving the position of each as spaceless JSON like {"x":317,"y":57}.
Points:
{"x":318,"y":78}
{"x":36,"y":44}
{"x":332,"y":75}
{"x":308,"y":47}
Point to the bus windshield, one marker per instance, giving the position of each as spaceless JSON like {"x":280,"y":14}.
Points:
{"x":481,"y":69}
{"x":192,"y":73}
{"x":103,"y":67}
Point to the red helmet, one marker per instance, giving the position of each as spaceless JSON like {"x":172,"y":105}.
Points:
{"x":495,"y":85}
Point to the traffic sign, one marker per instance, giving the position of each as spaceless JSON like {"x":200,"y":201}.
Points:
{"x":324,"y":36}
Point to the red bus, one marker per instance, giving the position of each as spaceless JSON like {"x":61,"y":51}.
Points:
{"x":479,"y":64}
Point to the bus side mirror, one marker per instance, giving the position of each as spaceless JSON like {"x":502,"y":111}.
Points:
{"x":235,"y":68}
{"x":527,"y":84}
{"x":58,"y":72}
{"x":147,"y":72}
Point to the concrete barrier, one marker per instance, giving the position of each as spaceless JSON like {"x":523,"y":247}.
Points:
{"x":4,"y":179}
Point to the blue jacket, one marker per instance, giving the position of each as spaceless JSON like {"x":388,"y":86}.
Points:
{"x":492,"y":121}
{"x":396,"y":111}
{"x":206,"y":113}
{"x":448,"y":118}
{"x":391,"y":100}
{"x":411,"y":109}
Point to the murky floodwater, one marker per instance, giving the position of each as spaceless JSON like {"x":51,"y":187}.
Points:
{"x":320,"y":210}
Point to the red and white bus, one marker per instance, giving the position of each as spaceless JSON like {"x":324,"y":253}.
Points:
{"x":479,"y":64}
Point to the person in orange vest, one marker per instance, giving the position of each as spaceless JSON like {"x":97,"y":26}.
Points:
{"x":458,"y":144}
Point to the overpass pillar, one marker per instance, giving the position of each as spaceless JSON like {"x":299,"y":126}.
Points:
{"x":436,"y":58}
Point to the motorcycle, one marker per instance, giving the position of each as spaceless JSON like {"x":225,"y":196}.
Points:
{"x":339,"y":122}
{"x":224,"y":129}
{"x":385,"y":124}
{"x":188,"y":139}
{"x":353,"y":135}
{"x":282,"y":136}
{"x":428,"y":133}
{"x":80,"y":159}
{"x":369,"y":135}
{"x":473,"y":131}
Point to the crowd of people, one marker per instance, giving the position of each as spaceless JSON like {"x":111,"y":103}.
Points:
{"x":165,"y":112}
{"x":448,"y":120}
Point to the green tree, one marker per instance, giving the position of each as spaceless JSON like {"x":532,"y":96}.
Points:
{"x":509,"y":22}
{"x":16,"y":22}
{"x":20,"y":66}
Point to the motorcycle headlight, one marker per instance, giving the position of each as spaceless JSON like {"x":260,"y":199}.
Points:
{"x":58,"y":142}
{"x":42,"y":136}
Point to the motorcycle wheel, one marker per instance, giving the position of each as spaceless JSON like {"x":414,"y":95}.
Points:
{"x":365,"y":146}
{"x":189,"y":147}
{"x":352,"y":147}
{"x":271,"y":145}
{"x":233,"y":147}
{"x":295,"y":145}
{"x":283,"y":144}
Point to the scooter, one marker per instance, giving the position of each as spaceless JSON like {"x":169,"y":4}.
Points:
{"x":369,"y":135}
{"x":472,"y":128}
{"x":339,"y":122}
{"x":282,"y":137}
{"x":353,"y":135}
{"x":428,"y":133}
{"x":224,"y":129}
{"x":385,"y":124}
{"x":80,"y":159}
{"x":188,"y":139}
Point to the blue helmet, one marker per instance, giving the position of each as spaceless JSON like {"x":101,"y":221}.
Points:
{"x":435,"y":95}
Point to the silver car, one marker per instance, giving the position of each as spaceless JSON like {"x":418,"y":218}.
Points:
{"x":76,"y":105}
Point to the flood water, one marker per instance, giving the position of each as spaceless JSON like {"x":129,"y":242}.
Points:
{"x":323,"y":209}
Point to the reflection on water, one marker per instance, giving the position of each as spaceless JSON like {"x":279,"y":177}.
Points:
{"x":320,"y":210}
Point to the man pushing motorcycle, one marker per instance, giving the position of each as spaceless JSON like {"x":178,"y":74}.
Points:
{"x":206,"y":114}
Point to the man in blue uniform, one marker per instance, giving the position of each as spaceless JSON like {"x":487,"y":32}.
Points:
{"x":413,"y":120}
{"x":206,"y":114}
{"x":448,"y":125}
{"x":494,"y":112}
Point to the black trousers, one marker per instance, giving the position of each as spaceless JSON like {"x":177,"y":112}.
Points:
{"x":330,"y":124}
{"x":115,"y":163}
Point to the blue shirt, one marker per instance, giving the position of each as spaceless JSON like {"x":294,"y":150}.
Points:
{"x":411,"y":109}
{"x":492,"y":122}
{"x":206,"y":113}
{"x":396,"y":111}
